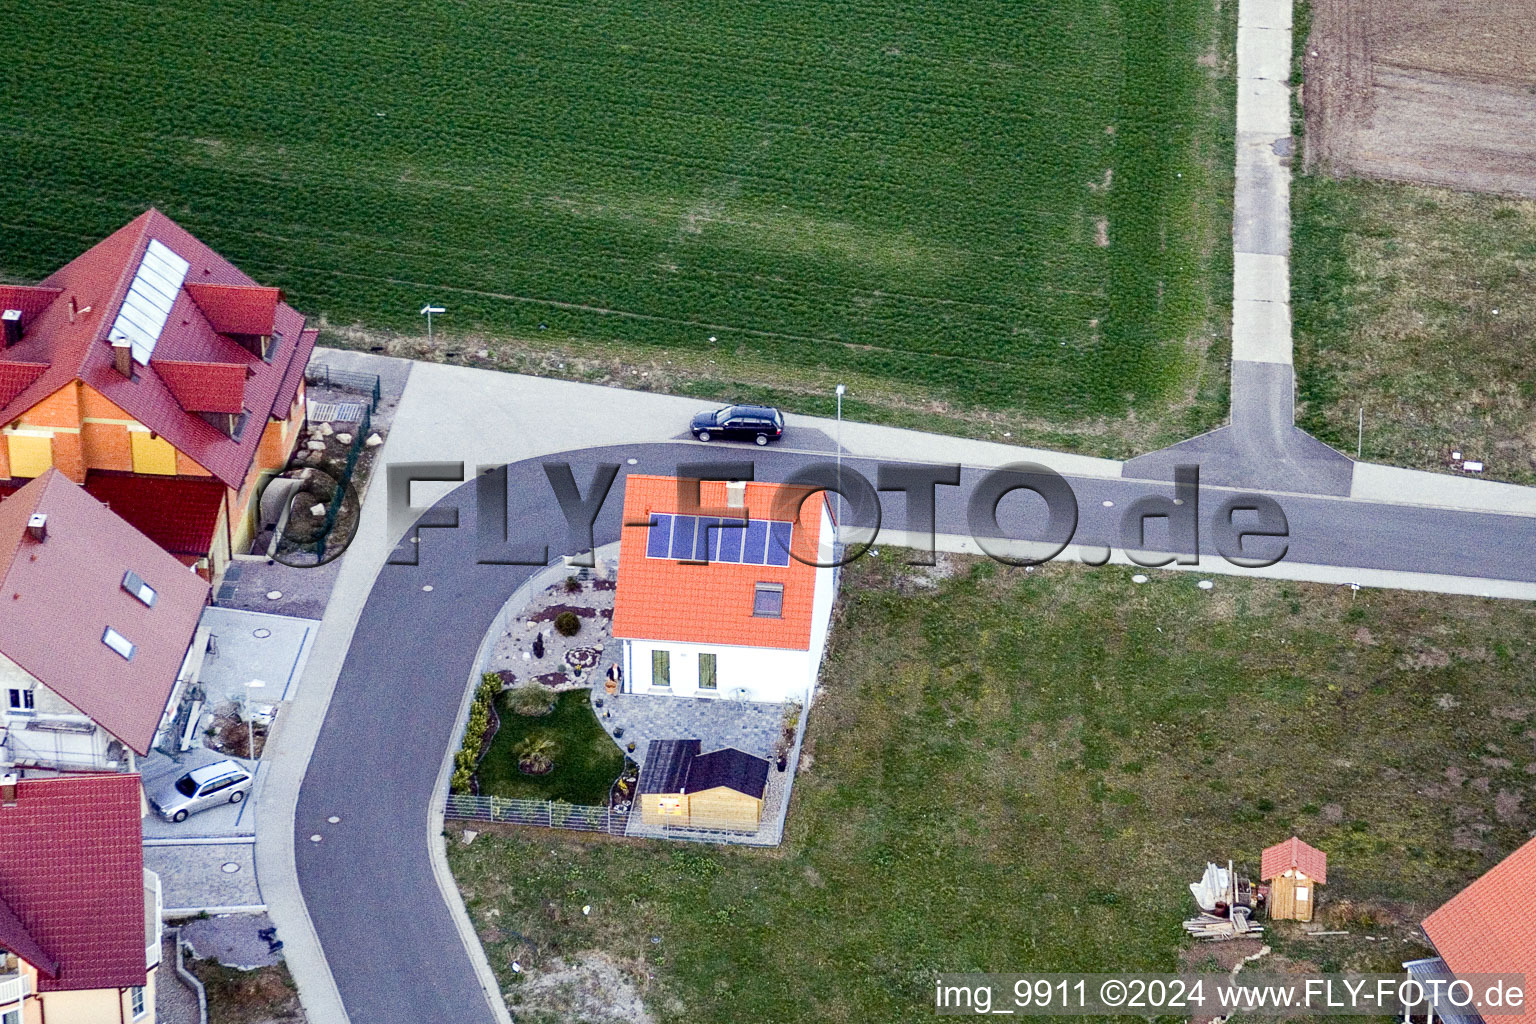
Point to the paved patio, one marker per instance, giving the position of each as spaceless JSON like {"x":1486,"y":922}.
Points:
{"x":255,"y":645}
{"x":749,"y":727}
{"x":211,"y":876}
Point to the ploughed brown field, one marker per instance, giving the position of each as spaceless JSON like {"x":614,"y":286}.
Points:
{"x":1441,"y":92}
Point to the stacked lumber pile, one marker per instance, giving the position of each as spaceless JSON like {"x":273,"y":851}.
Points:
{"x":1226,"y":905}
{"x":1218,"y":929}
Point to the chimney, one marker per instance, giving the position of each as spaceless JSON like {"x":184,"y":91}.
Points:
{"x":73,"y":309}
{"x":736,"y":494}
{"x":8,"y":790}
{"x":122,"y":356}
{"x":11,"y":319}
{"x":37,"y":526}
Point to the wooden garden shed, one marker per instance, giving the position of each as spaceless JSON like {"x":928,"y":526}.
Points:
{"x":1293,"y":870}
{"x":682,"y":787}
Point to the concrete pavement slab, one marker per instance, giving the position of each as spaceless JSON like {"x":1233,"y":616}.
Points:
{"x":1261,"y":220}
{"x":1264,"y":107}
{"x":1440,"y":490}
{"x":1263,"y":53}
{"x":1261,"y":331}
{"x":1264,"y":13}
{"x":255,"y":646}
{"x":1261,"y":277}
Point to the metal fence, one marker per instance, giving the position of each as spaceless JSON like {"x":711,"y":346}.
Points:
{"x":547,"y":813}
{"x":359,"y":439}
{"x":324,"y":376}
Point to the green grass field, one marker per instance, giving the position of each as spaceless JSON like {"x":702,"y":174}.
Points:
{"x":986,"y":204}
{"x":1022,"y":772}
{"x":586,"y":761}
{"x":1418,"y":305}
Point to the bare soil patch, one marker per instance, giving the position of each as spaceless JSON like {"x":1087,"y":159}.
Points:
{"x":1440,"y":92}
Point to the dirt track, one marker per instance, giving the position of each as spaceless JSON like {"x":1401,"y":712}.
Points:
{"x":1434,"y":91}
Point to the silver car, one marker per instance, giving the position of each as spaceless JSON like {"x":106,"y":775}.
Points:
{"x":222,"y":782}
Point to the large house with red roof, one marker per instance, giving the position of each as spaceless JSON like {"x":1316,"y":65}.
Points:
{"x":79,"y":914}
{"x":99,"y":637}
{"x":158,"y":376}
{"x":1487,"y":928}
{"x":729,"y":598}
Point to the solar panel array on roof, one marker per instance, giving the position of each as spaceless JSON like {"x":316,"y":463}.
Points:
{"x":149,"y":300}
{"x":709,"y":539}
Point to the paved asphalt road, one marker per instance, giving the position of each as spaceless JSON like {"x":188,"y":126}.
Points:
{"x":389,"y":938}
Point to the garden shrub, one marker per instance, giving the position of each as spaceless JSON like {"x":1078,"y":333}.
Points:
{"x":474,"y":733}
{"x":568,"y":623}
{"x":532,"y":700}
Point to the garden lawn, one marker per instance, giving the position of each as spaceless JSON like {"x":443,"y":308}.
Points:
{"x":1419,"y":305}
{"x":1023,"y":772}
{"x":995,"y":207}
{"x":586,"y":761}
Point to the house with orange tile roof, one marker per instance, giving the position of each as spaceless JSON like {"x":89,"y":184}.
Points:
{"x":725,"y":591}
{"x":157,"y":375}
{"x":1487,"y":928}
{"x":79,"y":913}
{"x":100,"y":634}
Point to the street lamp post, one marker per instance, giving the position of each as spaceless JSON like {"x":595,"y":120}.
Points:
{"x":427,"y":312}
{"x":840,"y":389}
{"x":250,"y":718}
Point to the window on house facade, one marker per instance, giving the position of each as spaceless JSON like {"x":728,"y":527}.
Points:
{"x":768,"y":601}
{"x":10,"y":1017}
{"x":21,"y":700}
{"x":135,"y":585}
{"x":661,"y":668}
{"x":707,"y":680}
{"x":119,"y":643}
{"x":137,"y":1002}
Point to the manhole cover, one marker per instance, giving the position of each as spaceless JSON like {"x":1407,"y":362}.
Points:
{"x":229,"y":867}
{"x":261,"y":634}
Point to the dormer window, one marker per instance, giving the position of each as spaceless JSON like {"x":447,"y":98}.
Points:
{"x":119,"y":643}
{"x":135,"y":585}
{"x":768,"y":601}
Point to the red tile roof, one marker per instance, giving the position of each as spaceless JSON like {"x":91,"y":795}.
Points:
{"x":205,"y":387}
{"x":74,"y":345}
{"x":72,"y":874}
{"x":61,"y":594}
{"x":1489,"y":927}
{"x":237,"y":308}
{"x":17,"y":377}
{"x":30,"y":299}
{"x":1293,"y":853}
{"x":663,"y":599}
{"x":15,"y":938}
{"x":176,"y":512}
